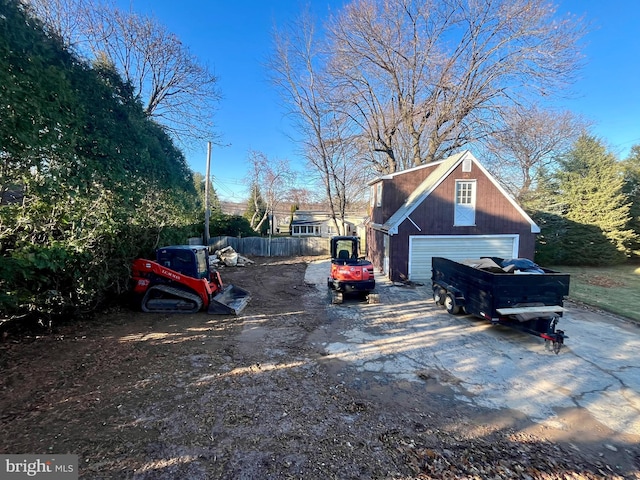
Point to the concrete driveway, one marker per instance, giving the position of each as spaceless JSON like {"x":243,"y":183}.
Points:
{"x":408,"y":337}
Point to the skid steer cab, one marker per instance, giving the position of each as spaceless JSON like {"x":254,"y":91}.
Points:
{"x":180,"y":281}
{"x":351,"y":274}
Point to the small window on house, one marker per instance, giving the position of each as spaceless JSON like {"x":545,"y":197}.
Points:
{"x":296,"y":229}
{"x":465,"y":207}
{"x":372,"y":196}
{"x":466,"y":165}
{"x":379,"y":194}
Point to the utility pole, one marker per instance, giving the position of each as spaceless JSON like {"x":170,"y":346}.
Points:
{"x":207,"y":208}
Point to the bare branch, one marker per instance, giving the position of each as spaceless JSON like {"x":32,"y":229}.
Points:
{"x":175,"y":88}
{"x":328,"y":143}
{"x":531,"y":141}
{"x":274,"y":179}
{"x":421,"y":78}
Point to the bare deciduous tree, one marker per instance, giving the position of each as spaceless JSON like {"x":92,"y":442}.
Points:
{"x":274,"y":178}
{"x":530,"y":140}
{"x":175,"y":87}
{"x":63,"y":18}
{"x":421,"y":78}
{"x":301,"y":197}
{"x":329,"y":146}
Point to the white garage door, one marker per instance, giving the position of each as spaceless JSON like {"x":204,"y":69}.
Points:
{"x":423,"y":248}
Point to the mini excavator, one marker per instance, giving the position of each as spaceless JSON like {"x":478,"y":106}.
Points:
{"x":180,"y":281}
{"x":350,"y":273}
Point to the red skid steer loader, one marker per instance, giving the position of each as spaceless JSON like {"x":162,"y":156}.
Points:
{"x":180,"y":281}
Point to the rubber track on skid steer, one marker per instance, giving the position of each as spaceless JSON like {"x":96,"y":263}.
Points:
{"x":173,"y":293}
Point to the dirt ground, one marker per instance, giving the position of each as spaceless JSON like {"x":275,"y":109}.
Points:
{"x":150,"y":396}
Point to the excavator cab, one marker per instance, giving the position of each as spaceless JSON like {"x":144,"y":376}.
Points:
{"x":345,"y":248}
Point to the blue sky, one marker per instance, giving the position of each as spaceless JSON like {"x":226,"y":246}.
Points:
{"x":234,"y":39}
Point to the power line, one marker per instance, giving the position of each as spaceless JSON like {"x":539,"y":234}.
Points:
{"x":224,"y":188}
{"x":234,"y":181}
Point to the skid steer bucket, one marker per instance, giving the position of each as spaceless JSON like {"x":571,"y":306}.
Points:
{"x":230,"y":301}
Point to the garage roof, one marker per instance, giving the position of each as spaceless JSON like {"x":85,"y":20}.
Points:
{"x":443,"y":170}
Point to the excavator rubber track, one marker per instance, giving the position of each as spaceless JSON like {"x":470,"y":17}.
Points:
{"x":166,"y":299}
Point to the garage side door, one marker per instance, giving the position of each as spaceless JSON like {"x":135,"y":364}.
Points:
{"x":423,"y":248}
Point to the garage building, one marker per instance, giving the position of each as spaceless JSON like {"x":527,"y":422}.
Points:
{"x":453,"y":208}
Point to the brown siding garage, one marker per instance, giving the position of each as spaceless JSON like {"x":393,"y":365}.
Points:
{"x":453,"y":208}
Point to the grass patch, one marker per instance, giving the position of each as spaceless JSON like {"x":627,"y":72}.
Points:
{"x":615,"y":289}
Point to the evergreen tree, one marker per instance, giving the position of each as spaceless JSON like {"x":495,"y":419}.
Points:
{"x":631,"y":167}
{"x":88,"y":180}
{"x":547,"y":208}
{"x":230,"y":225}
{"x":214,"y":201}
{"x":256,"y":209}
{"x":294,"y":208}
{"x":597,"y":211}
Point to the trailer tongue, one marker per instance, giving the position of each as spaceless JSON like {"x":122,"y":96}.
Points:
{"x":521,"y":296}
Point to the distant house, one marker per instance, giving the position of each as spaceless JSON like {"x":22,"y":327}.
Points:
{"x":453,"y":208}
{"x":320,"y":224}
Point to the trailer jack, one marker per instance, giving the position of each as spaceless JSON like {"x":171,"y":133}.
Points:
{"x":554,"y":341}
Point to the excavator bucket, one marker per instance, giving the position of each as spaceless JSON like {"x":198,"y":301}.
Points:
{"x":230,"y":301}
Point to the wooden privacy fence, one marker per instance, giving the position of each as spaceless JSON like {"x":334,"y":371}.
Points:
{"x":274,"y":246}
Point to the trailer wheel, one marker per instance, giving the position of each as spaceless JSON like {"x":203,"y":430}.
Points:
{"x":439,"y":295}
{"x":450,"y":304}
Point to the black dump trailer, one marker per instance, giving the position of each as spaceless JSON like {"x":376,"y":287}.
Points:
{"x":516,"y":293}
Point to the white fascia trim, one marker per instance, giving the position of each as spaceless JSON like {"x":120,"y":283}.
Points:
{"x":434,"y":186}
{"x":378,"y":226}
{"x":389,"y":176}
{"x":534,"y":226}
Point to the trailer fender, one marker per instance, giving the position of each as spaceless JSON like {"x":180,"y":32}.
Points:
{"x":448,"y":288}
{"x":439,"y":294}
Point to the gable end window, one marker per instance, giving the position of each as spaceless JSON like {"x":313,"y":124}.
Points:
{"x":379,"y":194}
{"x":465,"y":203}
